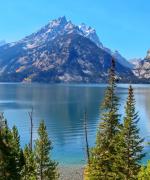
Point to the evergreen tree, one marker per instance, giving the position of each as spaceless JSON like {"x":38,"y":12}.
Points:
{"x":17,"y":151}
{"x":29,"y":169}
{"x":8,"y":166}
{"x":131,"y":143}
{"x":103,"y":161}
{"x":144,"y":173}
{"x":46,"y":168}
{"x":2,"y":145}
{"x":3,"y":154}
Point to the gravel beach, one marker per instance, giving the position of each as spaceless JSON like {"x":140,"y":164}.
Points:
{"x":71,"y":172}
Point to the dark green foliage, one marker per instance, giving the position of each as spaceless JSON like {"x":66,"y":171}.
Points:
{"x":17,"y":151}
{"x":38,"y":164}
{"x":45,"y":167}
{"x":29,"y":169}
{"x":144,"y":173}
{"x":8,"y":164}
{"x":118,"y":148}
{"x":130,"y":141}
{"x":16,"y":164}
{"x":103,"y":162}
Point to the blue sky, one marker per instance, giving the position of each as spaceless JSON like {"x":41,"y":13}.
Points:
{"x":121,"y":25}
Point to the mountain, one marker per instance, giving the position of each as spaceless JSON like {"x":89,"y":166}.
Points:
{"x":60,"y":52}
{"x":142,"y":68}
{"x":135,"y":61}
{"x":2,"y":42}
{"x":57,"y":28}
{"x":90,"y":33}
{"x":119,"y":58}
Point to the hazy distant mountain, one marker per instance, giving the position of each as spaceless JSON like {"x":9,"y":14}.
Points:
{"x":2,"y":43}
{"x":119,"y":58}
{"x":60,"y":52}
{"x":135,"y":61}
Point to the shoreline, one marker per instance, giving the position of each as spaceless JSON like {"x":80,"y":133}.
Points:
{"x":71,"y":172}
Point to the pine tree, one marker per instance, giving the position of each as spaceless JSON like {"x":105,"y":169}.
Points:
{"x":29,"y":169}
{"x":131,"y":142}
{"x":45,"y":167}
{"x":2,"y":145}
{"x":103,"y":162}
{"x":144,"y":173}
{"x":8,"y":166}
{"x":17,"y":151}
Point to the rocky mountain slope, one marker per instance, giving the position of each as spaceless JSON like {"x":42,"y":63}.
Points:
{"x":61,"y":52}
{"x":142,"y":68}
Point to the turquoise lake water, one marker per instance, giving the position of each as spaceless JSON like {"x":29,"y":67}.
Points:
{"x":62,"y":107}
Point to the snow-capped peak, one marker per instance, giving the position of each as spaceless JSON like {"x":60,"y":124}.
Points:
{"x":90,"y":33}
{"x":86,"y":29}
{"x":58,"y":27}
{"x":62,"y":26}
{"x":57,"y":22}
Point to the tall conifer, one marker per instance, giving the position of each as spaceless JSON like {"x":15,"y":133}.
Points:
{"x":8,"y":165}
{"x":46,"y":168}
{"x":131,"y":142}
{"x":103,"y":162}
{"x":29,"y":169}
{"x":17,"y":151}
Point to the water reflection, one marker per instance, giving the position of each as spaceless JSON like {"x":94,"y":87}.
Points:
{"x":62,"y":108}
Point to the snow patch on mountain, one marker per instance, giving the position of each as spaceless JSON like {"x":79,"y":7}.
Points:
{"x":62,"y":26}
{"x":59,"y":27}
{"x":91,"y":34}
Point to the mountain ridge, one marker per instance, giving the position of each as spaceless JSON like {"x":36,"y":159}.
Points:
{"x":59,"y":52}
{"x":141,"y":68}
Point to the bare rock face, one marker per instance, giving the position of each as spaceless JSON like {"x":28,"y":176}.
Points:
{"x":60,"y":52}
{"x":148,"y":55}
{"x":142,"y":68}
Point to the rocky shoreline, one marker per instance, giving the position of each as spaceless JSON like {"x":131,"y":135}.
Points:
{"x":72,"y":172}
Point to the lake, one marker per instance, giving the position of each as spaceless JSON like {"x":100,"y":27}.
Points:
{"x":62,"y":108}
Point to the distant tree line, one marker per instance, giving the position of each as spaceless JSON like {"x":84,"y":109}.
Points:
{"x":119,"y":148}
{"x":25,"y":164}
